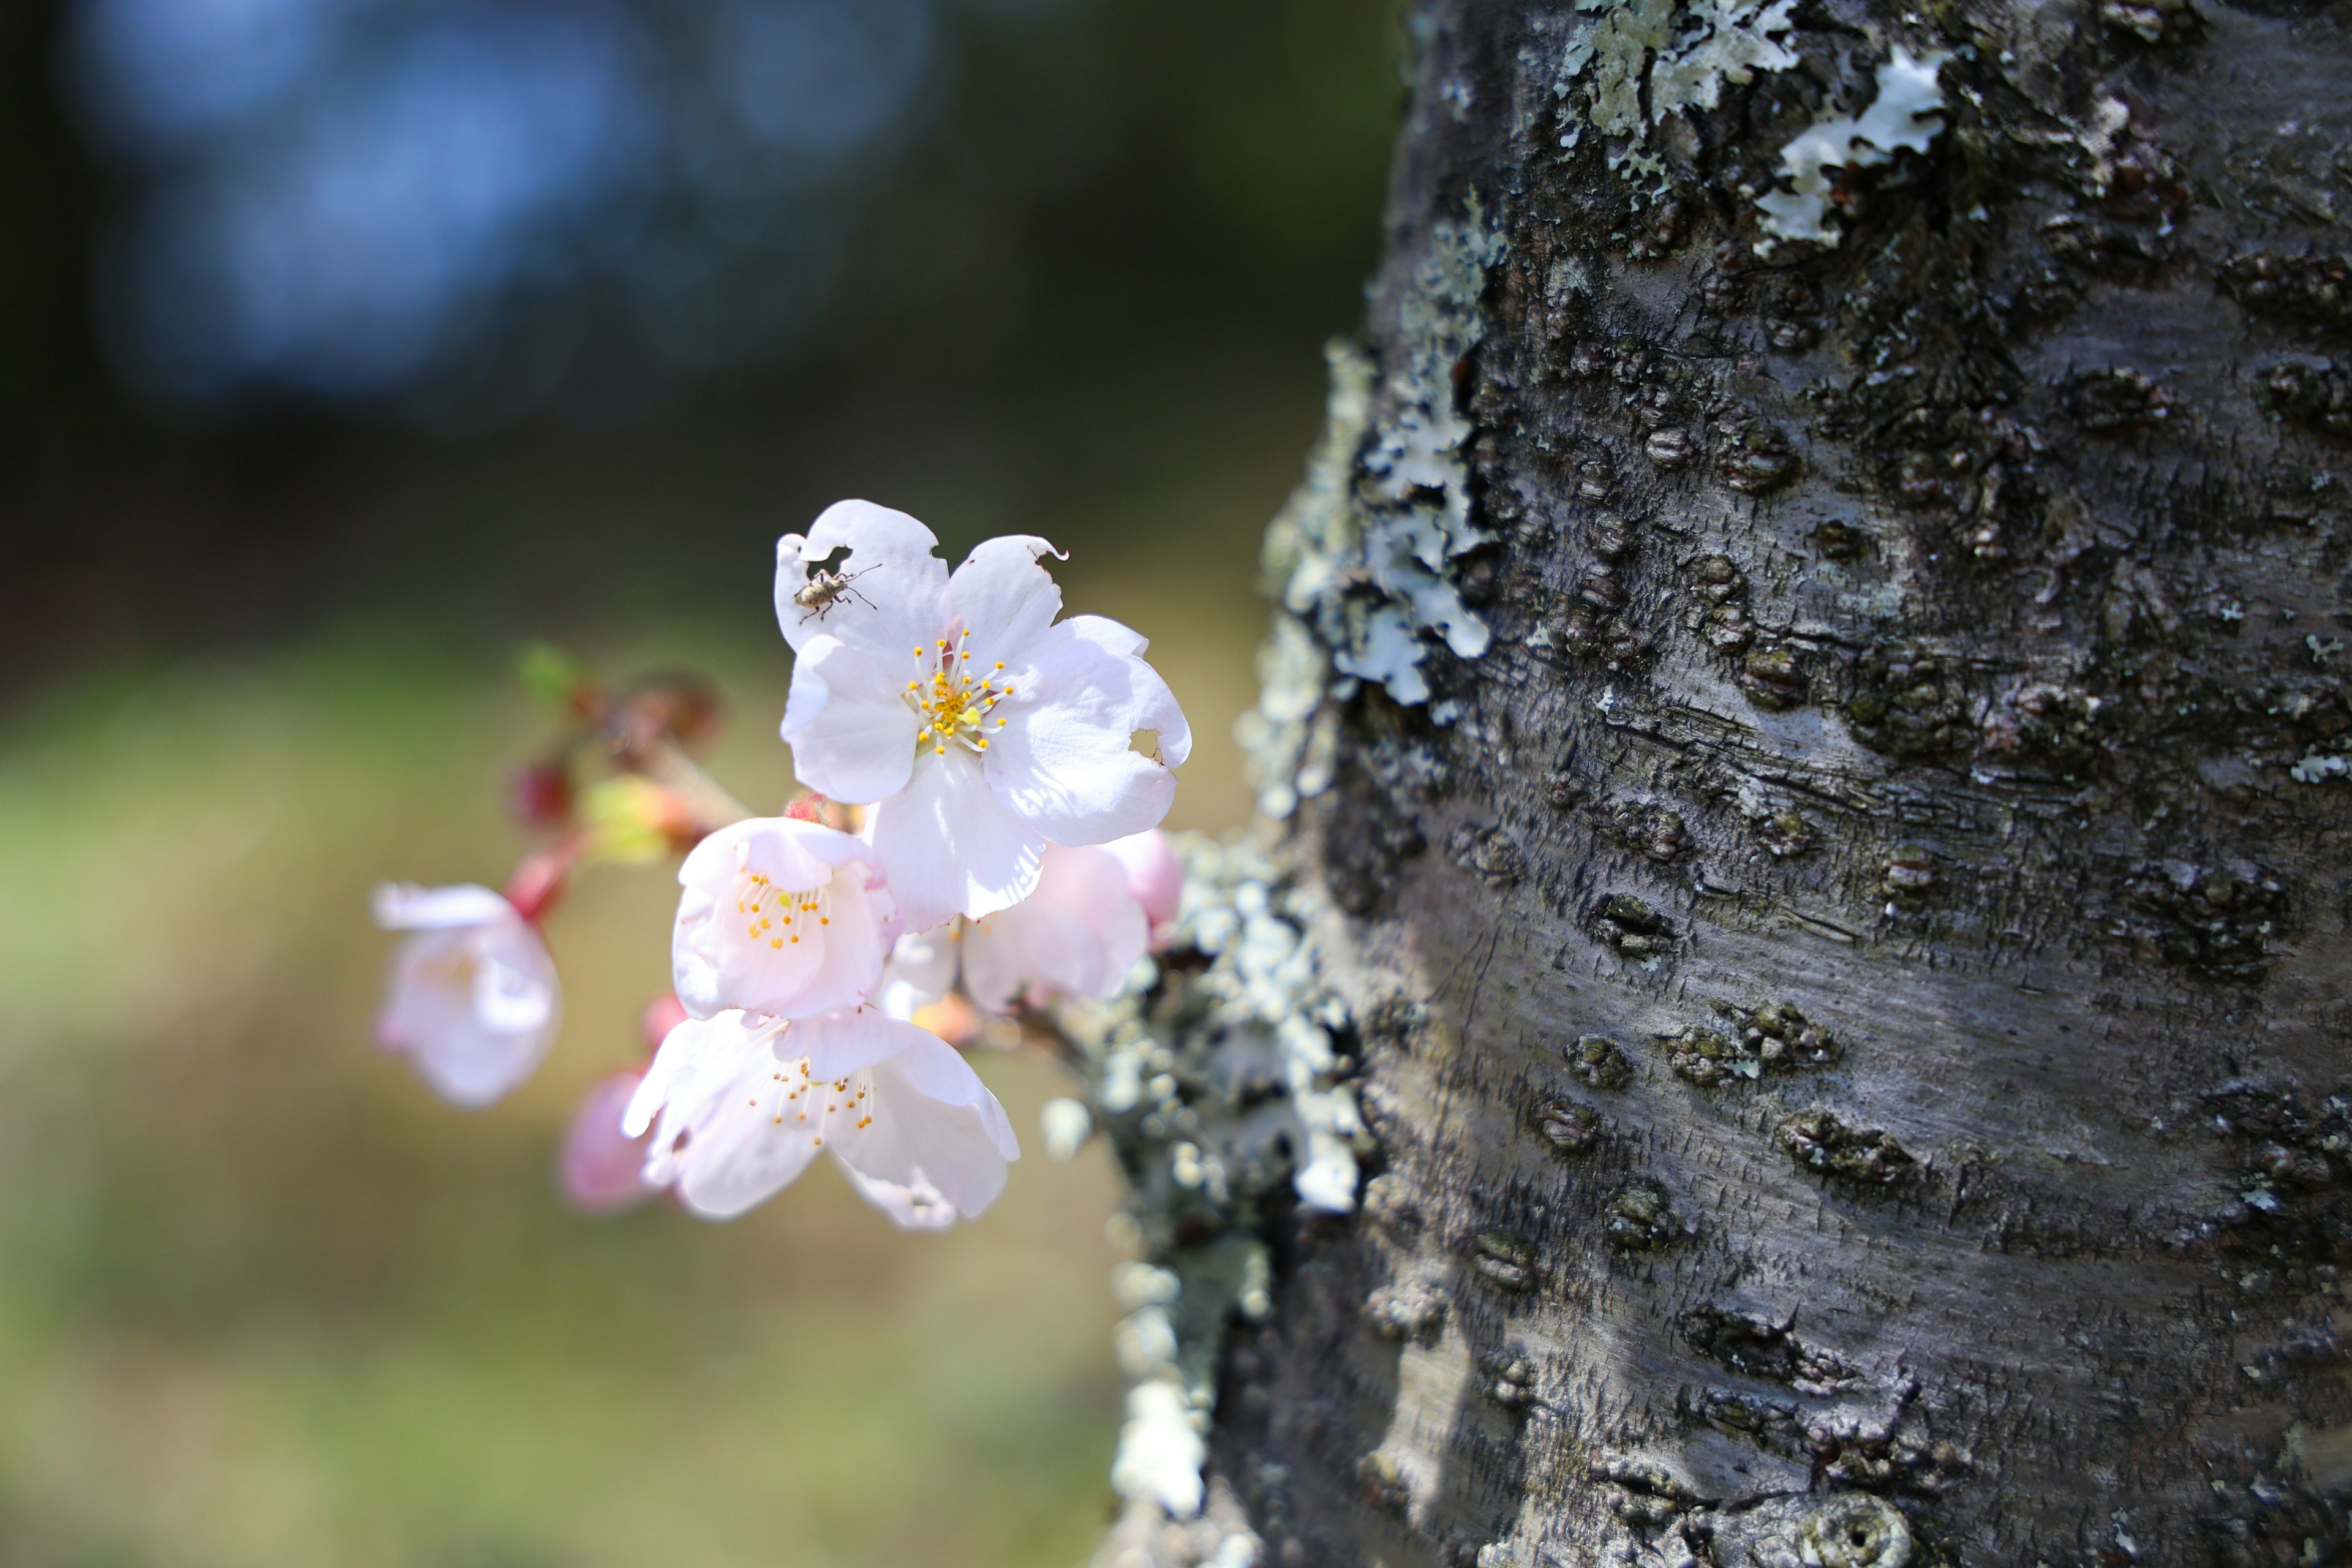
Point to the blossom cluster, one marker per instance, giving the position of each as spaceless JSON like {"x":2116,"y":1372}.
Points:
{"x":987,"y":784}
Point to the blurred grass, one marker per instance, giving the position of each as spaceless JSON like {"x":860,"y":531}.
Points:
{"x":264,"y":1302}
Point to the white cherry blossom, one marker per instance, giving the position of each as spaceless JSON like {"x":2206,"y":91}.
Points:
{"x":740,"y":1105}
{"x":778,"y":918}
{"x":1081,"y":930}
{"x":979,"y":728}
{"x":473,"y":1001}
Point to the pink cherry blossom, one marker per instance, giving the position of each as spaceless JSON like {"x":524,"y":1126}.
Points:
{"x":602,"y":1169}
{"x":1080,"y":932}
{"x":473,"y":1001}
{"x":740,"y":1105}
{"x":778,"y":918}
{"x":978,"y":727}
{"x":1154,"y":874}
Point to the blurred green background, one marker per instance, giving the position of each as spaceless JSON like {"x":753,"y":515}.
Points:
{"x":262,"y":1299}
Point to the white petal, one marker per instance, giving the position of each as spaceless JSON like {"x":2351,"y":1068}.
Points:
{"x":852,"y":733}
{"x":719,"y":1138}
{"x":895,"y":596}
{"x":742,"y":1155}
{"x":1126,"y":642}
{"x":919,"y":1206}
{"x":694,"y":1059}
{"x":404,"y":906}
{"x":474,"y":1008}
{"x":934,"y":1126}
{"x":1003,"y":597}
{"x":1063,"y":762}
{"x":787,"y":850}
{"x":847,"y":1043}
{"x":938,"y":1071}
{"x":921,"y":969}
{"x":1111,"y":636}
{"x":1080,"y":932}
{"x":949,"y":846}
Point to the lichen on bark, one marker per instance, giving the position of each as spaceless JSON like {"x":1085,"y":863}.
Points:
{"x":1845,"y":987}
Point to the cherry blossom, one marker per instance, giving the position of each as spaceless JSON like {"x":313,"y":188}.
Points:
{"x":978,"y":727}
{"x":473,"y":1001}
{"x":1154,"y":874}
{"x":740,"y":1105}
{"x":602,"y":1169}
{"x":778,"y":918}
{"x":1080,"y":932}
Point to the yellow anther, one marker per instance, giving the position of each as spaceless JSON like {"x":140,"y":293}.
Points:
{"x":775,"y":941}
{"x":1000,"y":664}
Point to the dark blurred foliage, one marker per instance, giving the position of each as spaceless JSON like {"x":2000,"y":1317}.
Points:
{"x":516,"y":316}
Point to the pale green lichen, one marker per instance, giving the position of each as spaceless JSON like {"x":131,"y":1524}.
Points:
{"x":1362,"y":556}
{"x":1636,"y":64}
{"x":1218,"y":1085}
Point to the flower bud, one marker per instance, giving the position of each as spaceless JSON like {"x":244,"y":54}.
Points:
{"x":540,"y":793}
{"x":602,"y":1169}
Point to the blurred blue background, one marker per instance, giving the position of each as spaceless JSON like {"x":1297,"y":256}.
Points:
{"x":347,"y":345}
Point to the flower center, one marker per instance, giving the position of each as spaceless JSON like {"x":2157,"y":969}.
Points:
{"x":769,"y":911}
{"x":953,"y":699}
{"x":817,"y":1103}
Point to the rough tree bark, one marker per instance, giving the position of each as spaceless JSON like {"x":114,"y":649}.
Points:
{"x":1809,"y":734}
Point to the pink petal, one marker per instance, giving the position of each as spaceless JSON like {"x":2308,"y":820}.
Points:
{"x":1080,"y":932}
{"x":1154,"y":874}
{"x":743,"y":943}
{"x":602,"y":1169}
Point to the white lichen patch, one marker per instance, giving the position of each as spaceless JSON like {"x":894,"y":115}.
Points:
{"x":1905,"y":114}
{"x":1638,"y":63}
{"x":2321,"y":766}
{"x":1160,"y":1449}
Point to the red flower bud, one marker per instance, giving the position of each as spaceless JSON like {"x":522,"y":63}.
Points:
{"x":541,"y":794}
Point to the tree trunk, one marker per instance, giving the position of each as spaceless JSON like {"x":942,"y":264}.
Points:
{"x":1808,"y":731}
